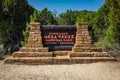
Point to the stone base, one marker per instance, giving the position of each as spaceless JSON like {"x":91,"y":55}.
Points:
{"x":32,"y":54}
{"x":34,"y":49}
{"x":91,"y":59}
{"x":61,"y":59}
{"x":29,"y":60}
{"x":89,"y":54}
{"x":58,"y":57}
{"x":86,"y":49}
{"x":61,"y":53}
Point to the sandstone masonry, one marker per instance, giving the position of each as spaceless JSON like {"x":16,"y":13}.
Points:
{"x":83,"y":50}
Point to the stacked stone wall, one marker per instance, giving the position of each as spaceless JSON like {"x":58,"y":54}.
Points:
{"x":84,"y":40}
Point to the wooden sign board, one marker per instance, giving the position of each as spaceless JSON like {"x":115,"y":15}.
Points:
{"x":58,"y":37}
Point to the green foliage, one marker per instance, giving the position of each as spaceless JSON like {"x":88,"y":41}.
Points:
{"x":14,"y":15}
{"x":1,"y":41}
{"x":99,"y":24}
{"x":84,"y":16}
{"x":26,"y":35}
{"x":61,"y":21}
{"x":107,"y":27}
{"x":67,"y":18}
{"x":113,"y":32}
{"x":1,"y":55}
{"x":44,"y":17}
{"x":35,"y":16}
{"x":100,"y":44}
{"x":7,"y":34}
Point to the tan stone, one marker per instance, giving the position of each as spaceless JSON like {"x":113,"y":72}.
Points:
{"x":29,"y":60}
{"x":89,"y":54}
{"x":82,"y":52}
{"x":83,"y":42}
{"x":84,"y":45}
{"x":61,"y":53}
{"x":32,"y":54}
{"x":91,"y":59}
{"x":64,"y":59}
{"x":35,"y":23}
{"x":42,"y":49}
{"x":33,"y":49}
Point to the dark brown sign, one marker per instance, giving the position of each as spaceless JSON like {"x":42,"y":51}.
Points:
{"x":58,"y":39}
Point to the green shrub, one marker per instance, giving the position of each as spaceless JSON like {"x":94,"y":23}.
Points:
{"x":113,"y":49}
{"x":100,"y":44}
{"x":1,"y":55}
{"x":26,"y":35}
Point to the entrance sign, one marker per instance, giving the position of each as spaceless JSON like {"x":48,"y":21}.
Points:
{"x":58,"y":37}
{"x":45,"y":43}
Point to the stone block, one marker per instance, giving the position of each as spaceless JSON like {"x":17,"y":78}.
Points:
{"x":89,"y":54}
{"x":42,"y":49}
{"x":83,"y":42}
{"x":31,"y":42}
{"x":34,"y":45}
{"x":33,"y":49}
{"x":57,"y":60}
{"x":32,"y":54}
{"x":94,"y":49}
{"x":61,"y":53}
{"x":80,"y":60}
{"x":81,"y":54}
{"x":29,"y":60}
{"x":83,"y":45}
{"x":25,"y":49}
{"x":80,"y":48}
{"x":83,"y":37}
{"x":39,"y":38}
{"x":77,"y":50}
{"x":101,"y":54}
{"x":87,"y":42}
{"x":91,"y":59}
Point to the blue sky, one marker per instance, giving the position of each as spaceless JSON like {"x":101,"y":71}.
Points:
{"x":62,"y":5}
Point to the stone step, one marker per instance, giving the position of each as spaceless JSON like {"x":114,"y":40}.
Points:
{"x":33,"y":45}
{"x":91,"y":59}
{"x":86,"y":49}
{"x":37,"y":60}
{"x":80,"y":28}
{"x":89,"y":54}
{"x":61,"y":59}
{"x":33,"y":49}
{"x":61,"y":53}
{"x":32,"y":54}
{"x":83,"y":37}
{"x":83,"y":42}
{"x":29,"y":60}
{"x":56,"y":60}
{"x":84,"y":45}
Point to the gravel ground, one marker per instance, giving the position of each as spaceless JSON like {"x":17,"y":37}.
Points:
{"x":92,"y":71}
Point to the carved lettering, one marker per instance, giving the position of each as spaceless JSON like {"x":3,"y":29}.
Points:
{"x":59,"y":38}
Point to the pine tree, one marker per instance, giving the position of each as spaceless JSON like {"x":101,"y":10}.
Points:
{"x":14,"y":16}
{"x":45,"y":17}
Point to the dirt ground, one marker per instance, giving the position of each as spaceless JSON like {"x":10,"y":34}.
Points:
{"x":92,"y":71}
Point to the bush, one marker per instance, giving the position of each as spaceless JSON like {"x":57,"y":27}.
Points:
{"x":115,"y":53}
{"x":113,"y":49}
{"x":99,"y":44}
{"x":26,"y":35}
{"x":1,"y":55}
